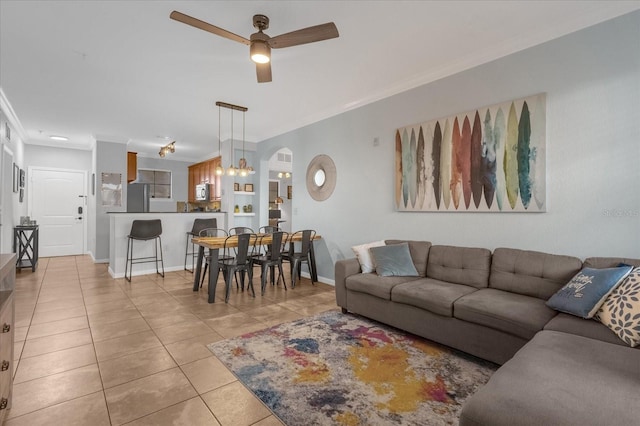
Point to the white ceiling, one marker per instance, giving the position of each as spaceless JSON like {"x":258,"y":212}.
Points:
{"x":123,"y":71}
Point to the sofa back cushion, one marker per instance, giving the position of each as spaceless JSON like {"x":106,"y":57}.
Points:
{"x":460,"y":265}
{"x":609,"y":262}
{"x":419,"y":253}
{"x":531,"y":273}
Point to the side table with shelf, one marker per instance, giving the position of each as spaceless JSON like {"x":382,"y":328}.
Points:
{"x":25,"y":245}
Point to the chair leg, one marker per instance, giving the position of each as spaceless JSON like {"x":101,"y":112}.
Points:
{"x":126,"y":265}
{"x":281,"y":274}
{"x":161,"y":258}
{"x":263,"y":277}
{"x":186,"y":255}
{"x":227,"y":281}
{"x":295,"y":272}
{"x":250,"y":273}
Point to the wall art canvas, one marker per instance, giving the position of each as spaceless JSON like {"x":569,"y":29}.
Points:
{"x":491,"y":159}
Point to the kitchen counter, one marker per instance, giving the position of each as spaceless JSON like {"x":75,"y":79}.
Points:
{"x":175,"y":226}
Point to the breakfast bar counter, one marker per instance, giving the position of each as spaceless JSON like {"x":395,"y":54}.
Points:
{"x":174,"y":237}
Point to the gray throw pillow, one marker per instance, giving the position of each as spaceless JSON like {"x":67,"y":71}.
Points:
{"x":393,"y":260}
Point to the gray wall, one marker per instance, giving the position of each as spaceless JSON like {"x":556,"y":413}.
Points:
{"x":179,"y":185}
{"x":110,"y":158}
{"x":592,"y":81}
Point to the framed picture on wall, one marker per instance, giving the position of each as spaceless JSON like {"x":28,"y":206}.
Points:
{"x":21,"y":194}
{"x":93,"y":184}
{"x":236,"y":186}
{"x":248,"y":187}
{"x":16,"y":177}
{"x":22,"y":178}
{"x":289,"y":191}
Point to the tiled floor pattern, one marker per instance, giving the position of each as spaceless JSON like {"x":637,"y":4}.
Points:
{"x":92,"y":350}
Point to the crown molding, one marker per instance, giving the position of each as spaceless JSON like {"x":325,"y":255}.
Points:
{"x":12,"y":118}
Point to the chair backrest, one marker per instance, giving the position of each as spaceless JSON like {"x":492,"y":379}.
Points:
{"x":275,"y":248}
{"x":146,"y":229}
{"x":200,"y":224}
{"x":240,"y":230}
{"x":212,"y":232}
{"x":246,"y":242}
{"x":307,"y":237}
{"x":268,"y":229}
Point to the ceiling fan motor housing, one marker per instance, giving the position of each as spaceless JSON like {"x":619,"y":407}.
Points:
{"x":260,"y":22}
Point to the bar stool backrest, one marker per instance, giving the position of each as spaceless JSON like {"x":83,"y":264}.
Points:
{"x":200,"y":224}
{"x":145,"y":229}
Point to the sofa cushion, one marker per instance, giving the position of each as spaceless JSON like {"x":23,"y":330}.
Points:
{"x":429,"y":294}
{"x":419,"y":253}
{"x":531,"y":273}
{"x":590,"y":328}
{"x":609,"y":262}
{"x":583,"y":295}
{"x":621,"y":310}
{"x":374,"y":284}
{"x":364,"y":256}
{"x":560,"y":379}
{"x":393,"y":260}
{"x":460,"y":265}
{"x":512,"y":313}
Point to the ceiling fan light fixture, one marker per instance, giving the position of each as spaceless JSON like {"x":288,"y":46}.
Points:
{"x":260,"y":52}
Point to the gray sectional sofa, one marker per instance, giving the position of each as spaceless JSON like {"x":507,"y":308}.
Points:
{"x":556,"y":368}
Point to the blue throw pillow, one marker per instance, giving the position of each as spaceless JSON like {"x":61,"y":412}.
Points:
{"x":585,"y":293}
{"x":393,"y":260}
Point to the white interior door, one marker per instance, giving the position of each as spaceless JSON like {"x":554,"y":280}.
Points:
{"x":57,"y":201}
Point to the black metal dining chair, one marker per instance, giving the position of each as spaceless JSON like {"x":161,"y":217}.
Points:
{"x":241,"y":262}
{"x":271,"y":259}
{"x":144,"y":230}
{"x":198,"y":225}
{"x":240,"y":230}
{"x":210,"y":232}
{"x":268,"y":229}
{"x":295,"y":258}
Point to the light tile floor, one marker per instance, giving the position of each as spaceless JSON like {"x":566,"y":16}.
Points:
{"x":92,"y":350}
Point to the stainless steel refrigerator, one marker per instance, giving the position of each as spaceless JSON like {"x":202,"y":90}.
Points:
{"x":138,"y":197}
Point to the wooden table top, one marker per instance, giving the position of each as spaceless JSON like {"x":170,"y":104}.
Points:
{"x":218,"y":242}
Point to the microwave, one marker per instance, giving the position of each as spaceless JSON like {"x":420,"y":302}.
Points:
{"x":204,"y":192}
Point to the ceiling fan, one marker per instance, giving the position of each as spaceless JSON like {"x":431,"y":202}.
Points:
{"x":260,"y":43}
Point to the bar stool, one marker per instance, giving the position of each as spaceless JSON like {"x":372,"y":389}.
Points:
{"x":198,"y":225}
{"x":144,"y":230}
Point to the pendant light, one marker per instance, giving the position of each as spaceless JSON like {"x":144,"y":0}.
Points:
{"x":242,"y":169}
{"x":219,"y":168}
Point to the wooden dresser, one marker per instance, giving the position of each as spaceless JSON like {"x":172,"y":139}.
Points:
{"x":7,"y":286}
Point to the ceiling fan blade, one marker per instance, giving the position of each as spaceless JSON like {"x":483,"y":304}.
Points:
{"x":264,"y":72}
{"x":194,"y":22}
{"x":305,"y":35}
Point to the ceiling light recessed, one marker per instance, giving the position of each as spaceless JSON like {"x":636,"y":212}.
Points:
{"x":58,"y":138}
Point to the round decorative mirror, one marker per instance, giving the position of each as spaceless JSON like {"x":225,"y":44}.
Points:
{"x":321,"y":177}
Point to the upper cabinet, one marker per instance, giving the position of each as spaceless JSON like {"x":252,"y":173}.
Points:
{"x":204,"y":172}
{"x":132,"y":166}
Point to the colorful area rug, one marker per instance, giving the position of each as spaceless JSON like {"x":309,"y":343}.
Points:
{"x":337,"y":369}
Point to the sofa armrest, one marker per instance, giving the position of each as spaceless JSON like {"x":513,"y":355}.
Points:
{"x":344,"y":268}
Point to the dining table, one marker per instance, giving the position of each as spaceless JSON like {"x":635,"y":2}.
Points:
{"x":214,"y":244}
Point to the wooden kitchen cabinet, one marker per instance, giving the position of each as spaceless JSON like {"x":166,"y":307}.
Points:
{"x":203,"y":172}
{"x":7,"y":326}
{"x":132,"y":166}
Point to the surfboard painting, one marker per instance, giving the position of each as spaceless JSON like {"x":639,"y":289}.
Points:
{"x":511,"y":157}
{"x":445,"y":165}
{"x":488,"y":168}
{"x":524,"y":135}
{"x":412,"y":166}
{"x":398,"y":169}
{"x":405,"y":167}
{"x":456,"y":165}
{"x":499,"y":138}
{"x":491,"y":159}
{"x":420,"y":179}
{"x":435,"y":161}
{"x":476,"y":160}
